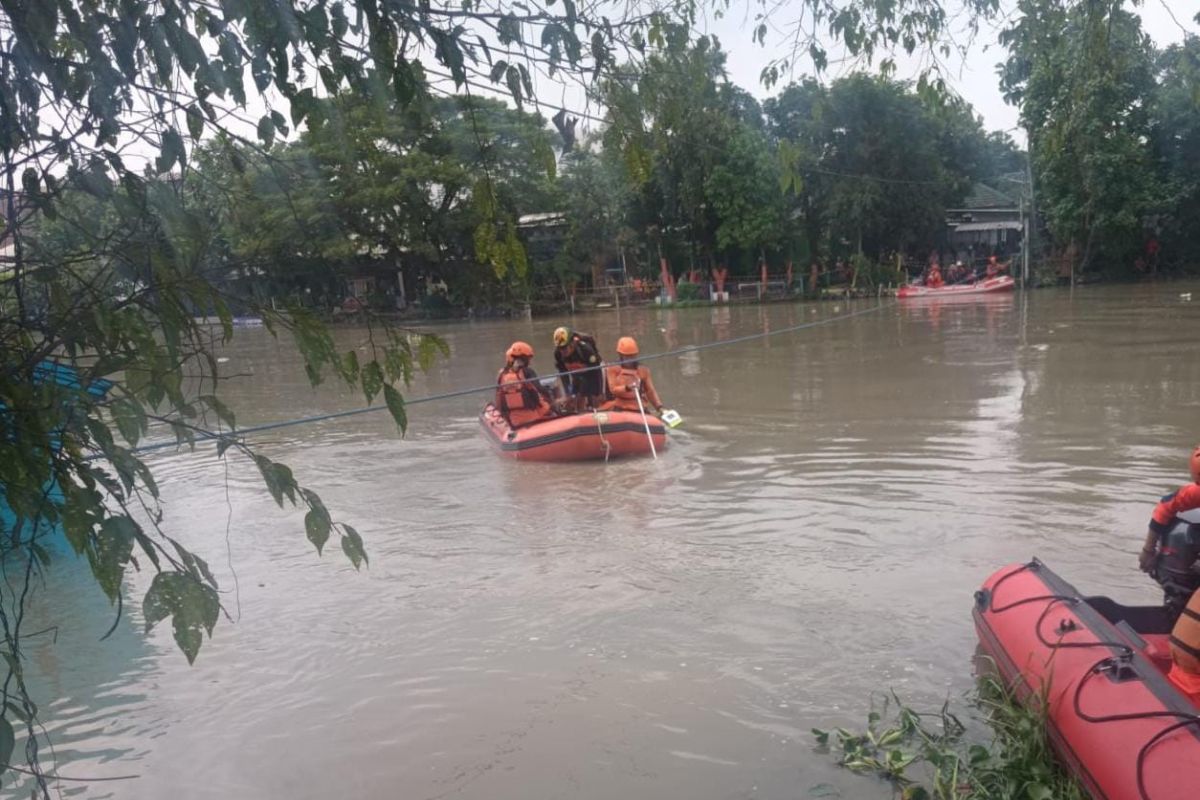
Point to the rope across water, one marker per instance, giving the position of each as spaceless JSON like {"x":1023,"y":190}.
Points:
{"x":693,"y":348}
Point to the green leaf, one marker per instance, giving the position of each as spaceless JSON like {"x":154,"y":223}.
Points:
{"x":147,"y":545}
{"x":19,"y":711}
{"x":266,"y":130}
{"x":8,"y":740}
{"x":526,"y":81}
{"x":280,"y":122}
{"x":30,"y":181}
{"x":171,"y":151}
{"x":512,"y":77}
{"x":395,"y":405}
{"x":130,"y":419}
{"x":316,"y":527}
{"x":498,"y":70}
{"x":192,"y":606}
{"x":372,"y":380}
{"x":109,"y":552}
{"x":195,"y":123}
{"x":220,"y":409}
{"x":352,"y":546}
{"x":42,"y":555}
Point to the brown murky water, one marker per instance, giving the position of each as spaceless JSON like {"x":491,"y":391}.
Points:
{"x":639,"y":629}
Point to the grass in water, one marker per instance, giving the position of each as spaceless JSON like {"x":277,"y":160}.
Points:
{"x":927,"y":756}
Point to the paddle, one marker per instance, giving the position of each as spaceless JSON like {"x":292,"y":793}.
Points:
{"x":637,"y":392}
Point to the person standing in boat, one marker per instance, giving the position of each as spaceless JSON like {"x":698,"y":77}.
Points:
{"x":934,"y":280}
{"x":520,"y":396}
{"x":628,"y":379}
{"x":578,"y":361}
{"x":994,"y":267}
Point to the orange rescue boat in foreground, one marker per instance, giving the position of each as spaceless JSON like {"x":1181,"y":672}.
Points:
{"x":1114,"y":718}
{"x":595,"y":435}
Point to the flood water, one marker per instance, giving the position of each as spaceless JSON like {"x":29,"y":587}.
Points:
{"x":639,"y":629}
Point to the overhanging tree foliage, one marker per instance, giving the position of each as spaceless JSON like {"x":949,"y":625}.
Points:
{"x":102,"y":105}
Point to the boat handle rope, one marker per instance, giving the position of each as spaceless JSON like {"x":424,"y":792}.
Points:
{"x":1122,"y":648}
{"x":238,"y":433}
{"x":1113,"y":663}
{"x":987,"y":598}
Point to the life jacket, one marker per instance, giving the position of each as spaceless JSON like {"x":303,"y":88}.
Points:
{"x":621,"y":380}
{"x":1185,"y":637}
{"x":520,"y":403}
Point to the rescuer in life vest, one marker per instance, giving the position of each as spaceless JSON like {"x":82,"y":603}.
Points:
{"x":574,"y":353}
{"x":628,"y":378}
{"x":1170,"y":554}
{"x":520,"y":396}
{"x":934,"y":279}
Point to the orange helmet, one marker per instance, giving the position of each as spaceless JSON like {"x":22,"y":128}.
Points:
{"x":627,"y":346}
{"x":519,"y":350}
{"x":1194,"y":464}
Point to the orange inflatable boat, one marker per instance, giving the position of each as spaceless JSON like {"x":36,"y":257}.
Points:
{"x":579,"y":437}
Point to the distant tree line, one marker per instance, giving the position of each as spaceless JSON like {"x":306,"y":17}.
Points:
{"x":689,"y":167}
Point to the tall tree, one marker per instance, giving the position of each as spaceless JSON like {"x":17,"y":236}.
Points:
{"x":1175,"y":126}
{"x":872,"y":162}
{"x":1082,"y":75}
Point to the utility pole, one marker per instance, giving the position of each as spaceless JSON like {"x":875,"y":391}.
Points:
{"x":1031,"y":219}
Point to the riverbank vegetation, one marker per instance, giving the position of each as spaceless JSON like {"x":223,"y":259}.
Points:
{"x":938,"y":756}
{"x":457,"y":202}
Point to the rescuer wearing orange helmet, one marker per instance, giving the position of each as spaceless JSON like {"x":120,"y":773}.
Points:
{"x":1170,"y":555}
{"x":520,"y":396}
{"x":578,"y":360}
{"x":628,"y":378}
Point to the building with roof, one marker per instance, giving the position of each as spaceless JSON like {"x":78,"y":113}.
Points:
{"x":989,"y":222}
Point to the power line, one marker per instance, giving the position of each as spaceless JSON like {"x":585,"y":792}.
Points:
{"x":491,"y":387}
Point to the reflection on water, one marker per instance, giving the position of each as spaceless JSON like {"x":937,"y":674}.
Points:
{"x":640,"y":629}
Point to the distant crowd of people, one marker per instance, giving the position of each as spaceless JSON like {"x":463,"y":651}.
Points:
{"x":587,"y":383}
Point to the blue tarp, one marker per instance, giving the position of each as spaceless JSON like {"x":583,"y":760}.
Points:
{"x":66,"y":376}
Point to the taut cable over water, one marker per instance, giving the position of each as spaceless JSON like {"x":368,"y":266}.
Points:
{"x":692,"y":348}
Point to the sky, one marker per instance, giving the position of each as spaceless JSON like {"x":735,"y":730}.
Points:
{"x":974,"y":78}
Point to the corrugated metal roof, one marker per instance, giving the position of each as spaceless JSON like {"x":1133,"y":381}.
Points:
{"x":1010,"y":225}
{"x":984,"y":196}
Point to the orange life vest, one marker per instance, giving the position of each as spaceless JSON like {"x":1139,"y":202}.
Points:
{"x":622,"y":379}
{"x":520,"y":403}
{"x":1185,"y":637}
